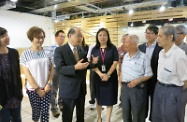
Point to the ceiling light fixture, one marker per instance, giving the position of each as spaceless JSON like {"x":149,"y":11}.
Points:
{"x":144,"y":21}
{"x":55,"y":6}
{"x":56,"y":20}
{"x":131,"y":11}
{"x":132,"y":24}
{"x":14,"y":0}
{"x":171,"y":19}
{"x":162,"y":8}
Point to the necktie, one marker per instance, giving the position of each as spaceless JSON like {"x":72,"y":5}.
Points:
{"x":76,"y":54}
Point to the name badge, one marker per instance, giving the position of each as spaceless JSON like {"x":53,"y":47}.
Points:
{"x":103,"y":68}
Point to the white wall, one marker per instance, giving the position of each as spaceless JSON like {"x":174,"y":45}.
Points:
{"x":17,"y":25}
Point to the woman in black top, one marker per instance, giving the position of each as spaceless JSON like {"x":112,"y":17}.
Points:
{"x":106,"y":75}
{"x":10,"y":81}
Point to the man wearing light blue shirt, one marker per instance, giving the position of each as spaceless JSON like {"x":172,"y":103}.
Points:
{"x":135,"y":71}
{"x":59,"y":38}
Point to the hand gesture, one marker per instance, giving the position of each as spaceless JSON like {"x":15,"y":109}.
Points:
{"x":95,"y":59}
{"x":81,"y":65}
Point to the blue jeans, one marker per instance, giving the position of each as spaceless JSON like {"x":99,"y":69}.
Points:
{"x":13,"y":115}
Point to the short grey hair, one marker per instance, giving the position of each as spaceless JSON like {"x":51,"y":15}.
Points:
{"x":181,"y":29}
{"x":169,"y":30}
{"x":134,"y":38}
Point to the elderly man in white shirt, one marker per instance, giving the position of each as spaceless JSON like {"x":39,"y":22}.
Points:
{"x":172,"y":79}
{"x":135,"y":71}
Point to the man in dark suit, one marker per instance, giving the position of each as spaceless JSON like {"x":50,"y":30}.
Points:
{"x":71,"y":64}
{"x":151,"y":49}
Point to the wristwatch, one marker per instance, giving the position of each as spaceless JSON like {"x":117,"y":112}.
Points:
{"x":108,"y":75}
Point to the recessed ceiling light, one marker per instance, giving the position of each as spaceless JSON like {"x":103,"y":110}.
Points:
{"x":132,"y":24}
{"x":55,"y":6}
{"x":144,"y":21}
{"x":171,"y":19}
{"x":131,"y":12}
{"x":14,"y":0}
{"x":162,"y":8}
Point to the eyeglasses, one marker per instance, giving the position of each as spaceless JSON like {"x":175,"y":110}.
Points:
{"x":61,"y":36}
{"x":180,"y":33}
{"x":147,"y":33}
{"x":40,"y":37}
{"x":79,"y":36}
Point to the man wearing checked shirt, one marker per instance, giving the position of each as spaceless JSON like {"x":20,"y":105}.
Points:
{"x":135,"y":71}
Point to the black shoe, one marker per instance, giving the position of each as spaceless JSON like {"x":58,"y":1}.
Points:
{"x":92,"y":101}
{"x":60,"y":106}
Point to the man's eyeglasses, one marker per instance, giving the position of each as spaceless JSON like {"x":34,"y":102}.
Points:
{"x":180,"y":33}
{"x":79,"y":36}
{"x":147,"y":33}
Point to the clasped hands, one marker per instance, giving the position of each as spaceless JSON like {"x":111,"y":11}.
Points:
{"x":42,"y":92}
{"x":104,"y":76}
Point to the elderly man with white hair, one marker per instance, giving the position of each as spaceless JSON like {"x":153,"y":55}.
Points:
{"x":135,"y":71}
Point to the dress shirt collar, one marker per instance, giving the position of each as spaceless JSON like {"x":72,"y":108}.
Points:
{"x":169,"y":52}
{"x":135,"y":55}
{"x":152,"y":45}
{"x":71,"y":47}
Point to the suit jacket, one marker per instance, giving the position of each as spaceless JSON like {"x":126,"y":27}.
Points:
{"x":71,"y":81}
{"x":154,"y":63}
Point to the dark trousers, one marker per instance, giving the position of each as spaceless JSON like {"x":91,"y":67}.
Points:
{"x":167,"y":104}
{"x":150,"y":93}
{"x":92,"y":87}
{"x":69,"y":105}
{"x":184,"y":92}
{"x":13,"y":115}
{"x":133,"y":103}
{"x":55,"y":86}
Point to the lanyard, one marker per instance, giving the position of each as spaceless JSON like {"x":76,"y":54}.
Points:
{"x":103,"y":55}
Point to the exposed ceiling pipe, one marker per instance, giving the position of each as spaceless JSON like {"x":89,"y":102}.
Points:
{"x":72,"y":3}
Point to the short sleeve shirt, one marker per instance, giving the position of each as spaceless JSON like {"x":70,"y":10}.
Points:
{"x":39,"y":64}
{"x":172,"y":66}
